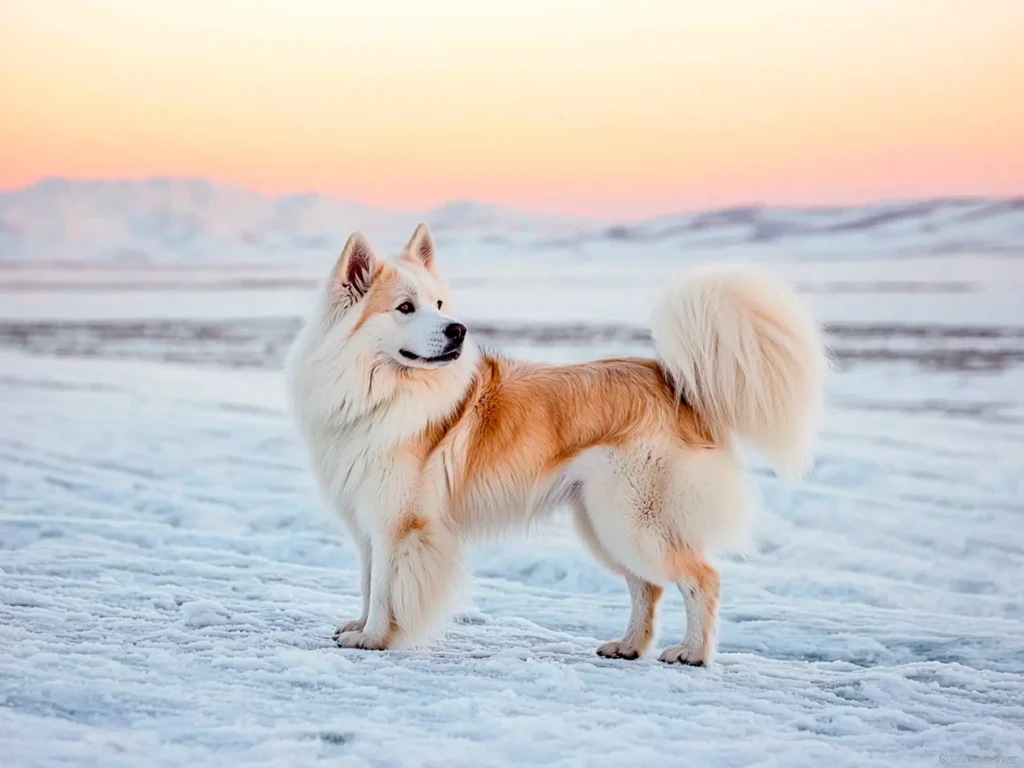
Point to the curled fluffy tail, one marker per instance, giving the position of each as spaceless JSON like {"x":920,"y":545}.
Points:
{"x":747,"y":356}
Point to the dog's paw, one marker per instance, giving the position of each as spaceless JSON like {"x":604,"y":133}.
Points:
{"x":683,"y":654}
{"x":361,"y":640}
{"x":619,"y":649}
{"x":356,"y":625}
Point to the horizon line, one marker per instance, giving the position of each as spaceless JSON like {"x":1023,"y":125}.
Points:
{"x":455,"y":201}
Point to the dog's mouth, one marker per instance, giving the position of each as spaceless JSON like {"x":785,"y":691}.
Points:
{"x":446,"y":357}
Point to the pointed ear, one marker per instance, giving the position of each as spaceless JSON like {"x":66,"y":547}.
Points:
{"x":421,"y":247}
{"x":353,"y":274}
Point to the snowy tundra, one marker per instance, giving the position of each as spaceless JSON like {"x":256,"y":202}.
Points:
{"x":169,"y":579}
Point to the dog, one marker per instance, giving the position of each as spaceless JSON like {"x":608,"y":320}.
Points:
{"x":422,"y":442}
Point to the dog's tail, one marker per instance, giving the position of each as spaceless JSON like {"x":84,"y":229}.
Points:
{"x":745,"y":353}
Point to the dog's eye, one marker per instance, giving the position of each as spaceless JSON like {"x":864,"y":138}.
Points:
{"x":406,"y":308}
{"x":439,"y":302}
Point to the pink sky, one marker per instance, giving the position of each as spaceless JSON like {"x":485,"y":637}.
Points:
{"x":598,"y":108}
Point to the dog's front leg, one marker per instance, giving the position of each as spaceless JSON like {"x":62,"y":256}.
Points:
{"x":365,"y":559}
{"x":375,"y":632}
{"x":414,"y":573}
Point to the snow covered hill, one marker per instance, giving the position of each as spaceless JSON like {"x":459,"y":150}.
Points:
{"x":192,"y":220}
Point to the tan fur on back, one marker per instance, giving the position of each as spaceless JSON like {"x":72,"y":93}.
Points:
{"x":521,"y":423}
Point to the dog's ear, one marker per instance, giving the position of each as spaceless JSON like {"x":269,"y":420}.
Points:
{"x":353,"y":274}
{"x":421,"y":247}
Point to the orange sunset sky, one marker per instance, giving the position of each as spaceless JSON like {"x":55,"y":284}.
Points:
{"x":597,"y":107}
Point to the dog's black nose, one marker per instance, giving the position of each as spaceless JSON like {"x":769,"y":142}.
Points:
{"x":455,"y":331}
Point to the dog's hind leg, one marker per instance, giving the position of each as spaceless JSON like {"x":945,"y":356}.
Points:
{"x":655,"y":513}
{"x":639,"y":633}
{"x":698,"y":581}
{"x":643,"y":595}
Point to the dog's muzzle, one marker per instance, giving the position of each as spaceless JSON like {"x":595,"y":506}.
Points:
{"x":456,"y":335}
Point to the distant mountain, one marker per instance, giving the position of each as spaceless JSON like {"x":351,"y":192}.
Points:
{"x":193,"y":220}
{"x":941,"y":225}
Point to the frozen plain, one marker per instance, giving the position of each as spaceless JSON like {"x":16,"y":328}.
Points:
{"x":169,"y":580}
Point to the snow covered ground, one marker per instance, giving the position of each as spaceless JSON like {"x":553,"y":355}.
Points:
{"x":169,"y":580}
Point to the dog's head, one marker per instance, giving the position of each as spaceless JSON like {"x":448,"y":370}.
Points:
{"x":381,"y":330}
{"x":398,"y":310}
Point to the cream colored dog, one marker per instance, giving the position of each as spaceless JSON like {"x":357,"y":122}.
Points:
{"x":420,"y":442}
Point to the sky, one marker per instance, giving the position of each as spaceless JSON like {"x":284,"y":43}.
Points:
{"x":621,"y":108}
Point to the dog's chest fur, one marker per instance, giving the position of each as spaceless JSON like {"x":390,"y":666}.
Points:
{"x":362,"y":468}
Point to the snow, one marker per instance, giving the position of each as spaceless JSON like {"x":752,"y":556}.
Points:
{"x":170,"y":584}
{"x":169,"y":580}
